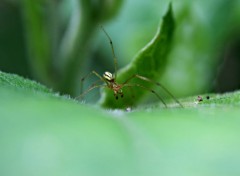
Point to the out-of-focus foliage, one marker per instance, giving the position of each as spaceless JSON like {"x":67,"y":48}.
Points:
{"x":58,"y":51}
{"x":58,"y":42}
{"x":12,"y":50}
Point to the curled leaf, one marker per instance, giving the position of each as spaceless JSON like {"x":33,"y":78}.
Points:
{"x":150,"y":62}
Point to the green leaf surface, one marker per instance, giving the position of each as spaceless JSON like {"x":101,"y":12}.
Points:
{"x":150,"y":62}
{"x":15,"y":81}
{"x":42,"y":133}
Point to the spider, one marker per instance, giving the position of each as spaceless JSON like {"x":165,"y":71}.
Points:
{"x":110,"y":80}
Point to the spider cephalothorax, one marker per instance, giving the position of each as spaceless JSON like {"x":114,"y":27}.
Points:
{"x":108,"y":76}
{"x":110,"y":80}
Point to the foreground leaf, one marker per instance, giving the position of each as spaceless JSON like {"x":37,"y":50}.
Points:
{"x":44,"y":134}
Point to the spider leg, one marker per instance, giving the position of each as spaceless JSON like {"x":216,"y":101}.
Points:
{"x":150,"y":90}
{"x":153,"y":82}
{"x":89,"y":89}
{"x":87,"y":76}
{"x":113,"y":52}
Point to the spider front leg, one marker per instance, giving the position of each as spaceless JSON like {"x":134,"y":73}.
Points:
{"x":89,"y":89}
{"x":87,"y":76}
{"x":93,"y":86}
{"x":113,"y":53}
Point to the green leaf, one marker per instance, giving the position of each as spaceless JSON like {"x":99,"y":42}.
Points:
{"x":42,"y":133}
{"x":150,"y":62}
{"x":38,"y":40}
{"x":15,"y":81}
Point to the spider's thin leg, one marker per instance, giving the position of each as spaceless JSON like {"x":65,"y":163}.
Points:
{"x":113,"y":53}
{"x":153,"y":82}
{"x":150,"y":90}
{"x":88,"y":75}
{"x":93,"y":84}
{"x":89,"y":89}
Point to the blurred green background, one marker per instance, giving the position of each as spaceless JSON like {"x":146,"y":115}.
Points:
{"x":56,"y":42}
{"x":59,"y":41}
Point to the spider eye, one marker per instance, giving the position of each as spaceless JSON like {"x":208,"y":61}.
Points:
{"x":108,"y":76}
